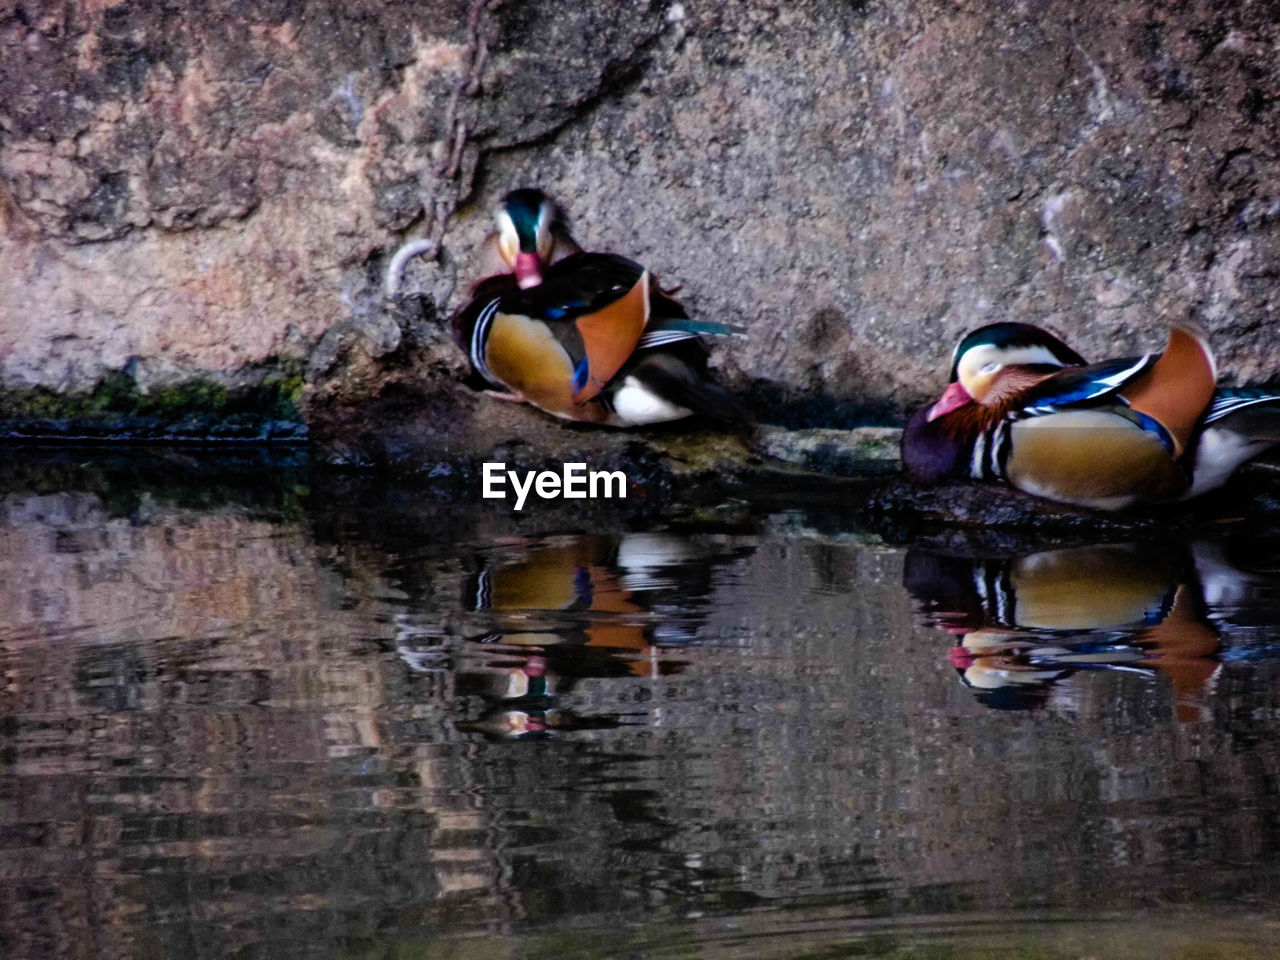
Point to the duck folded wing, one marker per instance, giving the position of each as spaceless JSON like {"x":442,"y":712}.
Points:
{"x":673,"y":329}
{"x":669,"y":383}
{"x":1258,"y":407}
{"x":1076,"y":386}
{"x":1240,"y":424}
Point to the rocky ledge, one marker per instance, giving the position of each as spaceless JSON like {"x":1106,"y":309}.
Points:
{"x":444,"y":440}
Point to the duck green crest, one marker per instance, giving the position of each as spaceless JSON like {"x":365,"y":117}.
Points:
{"x":531,"y":213}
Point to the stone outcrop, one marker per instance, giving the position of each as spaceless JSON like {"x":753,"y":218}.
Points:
{"x":214,"y":193}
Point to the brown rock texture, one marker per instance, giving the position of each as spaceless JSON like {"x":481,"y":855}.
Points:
{"x":215,"y":191}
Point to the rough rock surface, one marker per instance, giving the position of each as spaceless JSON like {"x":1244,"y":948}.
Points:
{"x":214,"y":191}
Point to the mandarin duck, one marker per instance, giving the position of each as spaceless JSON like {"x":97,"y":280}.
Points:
{"x":590,"y":337}
{"x":1023,"y":408}
{"x":563,"y":590}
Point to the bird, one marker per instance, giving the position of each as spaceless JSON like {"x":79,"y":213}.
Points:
{"x":1023,"y":408}
{"x":589,"y":337}
{"x":562,"y":590}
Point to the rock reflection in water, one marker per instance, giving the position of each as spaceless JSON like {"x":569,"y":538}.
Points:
{"x":1025,"y":623}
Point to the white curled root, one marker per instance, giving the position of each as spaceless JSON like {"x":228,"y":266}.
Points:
{"x":395,"y":269}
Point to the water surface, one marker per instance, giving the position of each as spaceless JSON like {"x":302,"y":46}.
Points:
{"x":252,"y":712}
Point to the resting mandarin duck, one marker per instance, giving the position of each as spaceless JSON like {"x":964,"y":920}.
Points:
{"x":1023,"y":408}
{"x":590,"y":337}
{"x":576,"y":576}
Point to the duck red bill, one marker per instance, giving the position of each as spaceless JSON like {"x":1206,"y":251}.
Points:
{"x":953,"y":398}
{"x":528,"y":270}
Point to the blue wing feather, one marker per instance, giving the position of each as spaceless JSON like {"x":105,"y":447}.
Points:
{"x":695,"y":328}
{"x":1078,"y":385}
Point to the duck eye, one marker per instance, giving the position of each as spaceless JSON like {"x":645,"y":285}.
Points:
{"x":989,"y":368}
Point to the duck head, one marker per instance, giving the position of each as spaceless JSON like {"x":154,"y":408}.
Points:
{"x":528,"y":221}
{"x":995,"y":361}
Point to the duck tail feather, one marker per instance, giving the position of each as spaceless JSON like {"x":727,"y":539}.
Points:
{"x":677,"y":381}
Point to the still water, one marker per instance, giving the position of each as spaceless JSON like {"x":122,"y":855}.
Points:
{"x":247,"y":712}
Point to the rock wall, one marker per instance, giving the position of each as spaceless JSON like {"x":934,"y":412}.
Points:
{"x":215,"y":191}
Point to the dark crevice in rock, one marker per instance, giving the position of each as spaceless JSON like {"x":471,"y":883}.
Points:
{"x":619,"y":77}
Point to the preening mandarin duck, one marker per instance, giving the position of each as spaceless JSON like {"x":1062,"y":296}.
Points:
{"x":584,"y":336}
{"x":1023,"y":408}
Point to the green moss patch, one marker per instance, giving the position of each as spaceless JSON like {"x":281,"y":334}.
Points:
{"x":194,"y":411}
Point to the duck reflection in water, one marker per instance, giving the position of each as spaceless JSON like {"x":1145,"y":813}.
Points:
{"x":556,"y":610}
{"x":522,"y":698}
{"x":1026,"y":622}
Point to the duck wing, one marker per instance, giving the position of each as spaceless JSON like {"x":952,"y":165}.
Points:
{"x":1076,"y":386}
{"x":1229,"y":401}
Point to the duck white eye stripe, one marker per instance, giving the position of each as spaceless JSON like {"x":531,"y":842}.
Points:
{"x":479,"y":334}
